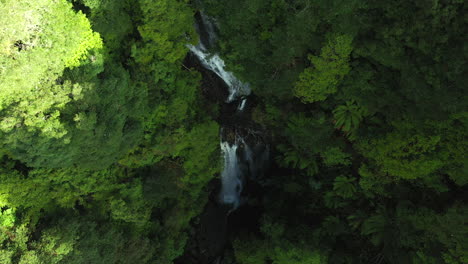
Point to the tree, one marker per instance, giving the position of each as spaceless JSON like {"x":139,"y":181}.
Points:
{"x":167,"y":27}
{"x":278,"y":247}
{"x":335,"y":156}
{"x":405,"y":152}
{"x":327,"y":71}
{"x":61,"y":106}
{"x":45,"y":189}
{"x":344,"y":187}
{"x":33,"y":61}
{"x":445,"y":231}
{"x":347,"y":118}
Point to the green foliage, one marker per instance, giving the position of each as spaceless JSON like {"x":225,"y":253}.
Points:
{"x":375,"y":227}
{"x":103,"y":244}
{"x":399,"y":98}
{"x":322,"y":79}
{"x":107,"y":143}
{"x":130,"y":206}
{"x":199,"y":149}
{"x":297,"y":255}
{"x":165,"y":27}
{"x":77,"y":240}
{"x":7,"y":218}
{"x":61,"y":106}
{"x":33,"y":102}
{"x":405,"y":153}
{"x":112,"y":20}
{"x":447,"y":228}
{"x":347,"y":118}
{"x":14,"y":235}
{"x":43,"y":188}
{"x":252,"y":41}
{"x":250,"y":251}
{"x":335,"y":156}
{"x":85,"y":103}
{"x":276,"y":248}
{"x":453,"y":146}
{"x":344,"y":187}
{"x":333,"y":201}
{"x":294,"y":159}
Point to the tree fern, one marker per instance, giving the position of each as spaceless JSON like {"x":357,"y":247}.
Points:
{"x":357,"y":219}
{"x":344,"y":187}
{"x":348,"y":117}
{"x":375,"y":227}
{"x":293,"y":158}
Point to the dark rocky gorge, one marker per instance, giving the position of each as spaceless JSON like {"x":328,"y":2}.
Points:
{"x":245,"y":153}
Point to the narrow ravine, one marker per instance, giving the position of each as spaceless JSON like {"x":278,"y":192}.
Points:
{"x":239,"y":160}
{"x":243,"y":150}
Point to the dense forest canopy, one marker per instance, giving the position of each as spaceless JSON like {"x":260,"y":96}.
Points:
{"x":109,"y":144}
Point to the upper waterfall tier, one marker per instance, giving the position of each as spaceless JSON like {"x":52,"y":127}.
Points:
{"x":214,"y":63}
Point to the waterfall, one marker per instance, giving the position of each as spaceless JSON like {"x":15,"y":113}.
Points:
{"x":213,"y":62}
{"x":242,"y":105}
{"x":216,"y":65}
{"x":239,"y":158}
{"x":231,"y":178}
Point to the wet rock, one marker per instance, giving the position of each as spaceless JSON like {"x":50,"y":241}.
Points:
{"x":213,"y":88}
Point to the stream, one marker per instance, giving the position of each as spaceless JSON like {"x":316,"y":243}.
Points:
{"x":240,"y":161}
{"x":243,"y":150}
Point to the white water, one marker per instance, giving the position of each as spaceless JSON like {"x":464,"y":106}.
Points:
{"x":215,"y":64}
{"x":231,"y":178}
{"x":237,"y":164}
{"x":242,"y":105}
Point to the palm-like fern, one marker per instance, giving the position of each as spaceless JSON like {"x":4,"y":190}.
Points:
{"x":344,"y":187}
{"x":375,"y":227}
{"x":356,"y":219}
{"x":292,"y":158}
{"x":348,"y":116}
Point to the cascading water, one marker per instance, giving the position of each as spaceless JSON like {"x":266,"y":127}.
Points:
{"x":215,"y":64}
{"x":242,"y":104}
{"x":239,"y":160}
{"x":231,"y":177}
{"x":242,"y":145}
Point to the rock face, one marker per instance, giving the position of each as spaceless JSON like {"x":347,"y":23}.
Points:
{"x":213,"y":88}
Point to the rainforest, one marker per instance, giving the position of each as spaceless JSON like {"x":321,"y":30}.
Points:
{"x":233,"y":132}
